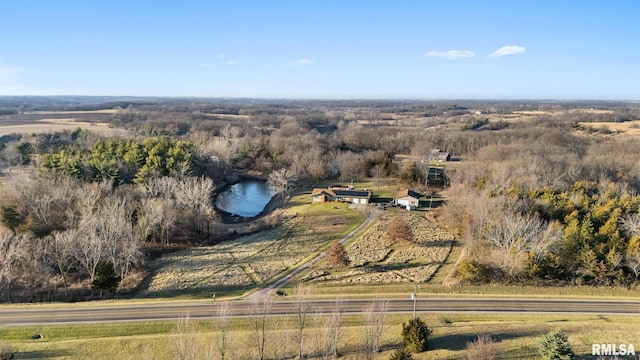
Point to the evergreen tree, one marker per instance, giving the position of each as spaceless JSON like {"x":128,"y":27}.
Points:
{"x":10,"y":217}
{"x":555,"y":346}
{"x":415,"y":335}
{"x":106,"y":279}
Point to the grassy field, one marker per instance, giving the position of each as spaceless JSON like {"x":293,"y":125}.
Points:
{"x":376,"y":259}
{"x":54,"y":121}
{"x":59,"y":124}
{"x":627,"y":127}
{"x":234,"y":267}
{"x":516,"y":337}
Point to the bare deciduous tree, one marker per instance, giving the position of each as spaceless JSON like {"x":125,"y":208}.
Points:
{"x":630,"y":224}
{"x":115,"y":230}
{"x":546,"y":240}
{"x":377,"y":172}
{"x":259,"y":311}
{"x":61,"y":250}
{"x":194,"y":195}
{"x":329,"y":332}
{"x":302,"y":310}
{"x":281,"y":181}
{"x":8,"y":260}
{"x":633,"y":263}
{"x":185,"y":342}
{"x":34,"y":267}
{"x":375,"y":322}
{"x":89,"y":250}
{"x":150,"y":218}
{"x":512,"y":235}
{"x":223,"y":322}
{"x":350,"y":165}
{"x":282,"y":340}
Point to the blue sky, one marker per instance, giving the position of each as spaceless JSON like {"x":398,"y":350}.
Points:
{"x":322,"y":49}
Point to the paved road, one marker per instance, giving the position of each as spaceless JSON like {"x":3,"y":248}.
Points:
{"x":42,"y":314}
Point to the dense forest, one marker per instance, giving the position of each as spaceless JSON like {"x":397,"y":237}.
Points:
{"x":538,"y":191}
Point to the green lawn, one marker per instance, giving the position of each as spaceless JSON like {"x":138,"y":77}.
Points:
{"x":516,"y":336}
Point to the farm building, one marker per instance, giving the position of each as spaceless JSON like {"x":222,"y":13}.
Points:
{"x":408,"y":199}
{"x":342,"y":195}
{"x":437,"y":154}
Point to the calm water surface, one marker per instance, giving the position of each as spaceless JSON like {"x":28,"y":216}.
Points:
{"x":247,"y":198}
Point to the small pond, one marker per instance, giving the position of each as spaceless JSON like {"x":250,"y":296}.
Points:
{"x":246,"y":198}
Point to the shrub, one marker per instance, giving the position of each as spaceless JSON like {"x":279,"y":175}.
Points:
{"x":415,"y":335}
{"x":555,"y":346}
{"x":399,"y":231}
{"x":482,"y":348}
{"x":470,"y":270}
{"x":336,"y":256}
{"x":6,"y":351}
{"x":401,"y":354}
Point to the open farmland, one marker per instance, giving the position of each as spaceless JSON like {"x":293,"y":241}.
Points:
{"x":51,"y":125}
{"x":239,"y":265}
{"x":49,"y":121}
{"x":627,"y":127}
{"x":376,"y":259}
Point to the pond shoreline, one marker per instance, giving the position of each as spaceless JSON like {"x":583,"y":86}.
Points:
{"x":231,"y":218}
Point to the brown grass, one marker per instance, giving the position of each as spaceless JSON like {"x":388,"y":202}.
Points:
{"x":628,"y":127}
{"x":516,"y":337}
{"x":53,"y":125}
{"x":377,"y":259}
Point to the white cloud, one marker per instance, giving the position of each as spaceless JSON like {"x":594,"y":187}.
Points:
{"x":451,"y":54}
{"x":231,"y":62}
{"x":204,"y":65}
{"x":507,"y":50}
{"x":299,"y":62}
{"x":222,"y":56}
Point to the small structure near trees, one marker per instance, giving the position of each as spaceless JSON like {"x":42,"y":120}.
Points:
{"x":408,"y":199}
{"x":439,"y":155}
{"x":342,"y":194}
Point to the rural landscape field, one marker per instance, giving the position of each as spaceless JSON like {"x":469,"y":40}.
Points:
{"x":124,"y":214}
{"x":319,"y":180}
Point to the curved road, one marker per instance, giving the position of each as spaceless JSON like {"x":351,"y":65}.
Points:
{"x":41,"y":314}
